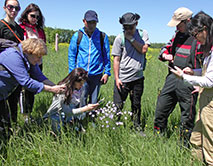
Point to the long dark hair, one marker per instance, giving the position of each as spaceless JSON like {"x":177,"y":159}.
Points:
{"x":202,"y":21}
{"x":77,"y":75}
{"x":31,"y":8}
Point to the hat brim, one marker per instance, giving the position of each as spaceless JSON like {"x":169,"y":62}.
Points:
{"x":91,"y":19}
{"x":173,"y":23}
{"x":129,"y":23}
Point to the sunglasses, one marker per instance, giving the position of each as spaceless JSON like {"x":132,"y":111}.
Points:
{"x":11,"y":7}
{"x":195,"y":33}
{"x":34,"y":16}
{"x":129,"y":27}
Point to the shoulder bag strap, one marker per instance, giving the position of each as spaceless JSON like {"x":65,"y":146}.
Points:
{"x":11,"y":30}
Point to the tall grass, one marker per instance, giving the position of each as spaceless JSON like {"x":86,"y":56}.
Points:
{"x":34,"y":145}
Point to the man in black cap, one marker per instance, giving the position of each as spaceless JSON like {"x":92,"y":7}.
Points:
{"x":129,"y":49}
{"x":89,"y":49}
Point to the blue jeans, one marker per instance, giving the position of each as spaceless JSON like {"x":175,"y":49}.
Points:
{"x":57,"y":121}
{"x":91,"y":89}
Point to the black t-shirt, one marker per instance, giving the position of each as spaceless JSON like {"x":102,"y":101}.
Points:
{"x":6,"y":33}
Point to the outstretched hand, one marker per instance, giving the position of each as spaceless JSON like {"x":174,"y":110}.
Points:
{"x":89,"y":107}
{"x":177,"y":71}
{"x":55,"y":89}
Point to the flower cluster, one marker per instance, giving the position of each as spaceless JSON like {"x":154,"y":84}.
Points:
{"x":109,"y":117}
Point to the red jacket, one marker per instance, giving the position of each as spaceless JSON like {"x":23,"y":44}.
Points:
{"x":40,"y":32}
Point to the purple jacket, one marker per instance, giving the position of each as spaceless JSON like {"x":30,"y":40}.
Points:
{"x":17,"y":72}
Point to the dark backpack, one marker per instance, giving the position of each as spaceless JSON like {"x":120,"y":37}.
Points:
{"x":4,"y":43}
{"x":80,"y":35}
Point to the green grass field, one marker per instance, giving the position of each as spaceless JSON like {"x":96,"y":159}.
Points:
{"x":34,"y":145}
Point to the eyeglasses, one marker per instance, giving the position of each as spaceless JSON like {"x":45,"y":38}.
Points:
{"x":128,"y":27}
{"x":11,"y":7}
{"x":196,"y":32}
{"x":34,"y":16}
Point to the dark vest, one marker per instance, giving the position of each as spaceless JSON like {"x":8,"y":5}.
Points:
{"x":186,"y":51}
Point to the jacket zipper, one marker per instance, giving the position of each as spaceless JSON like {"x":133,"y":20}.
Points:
{"x":89,"y":53}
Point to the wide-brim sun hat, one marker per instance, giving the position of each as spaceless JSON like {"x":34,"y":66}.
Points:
{"x":129,"y":18}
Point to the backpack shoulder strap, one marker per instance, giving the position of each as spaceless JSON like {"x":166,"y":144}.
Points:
{"x":140,"y":31}
{"x":80,"y":35}
{"x":102,"y":37}
{"x":122,"y":39}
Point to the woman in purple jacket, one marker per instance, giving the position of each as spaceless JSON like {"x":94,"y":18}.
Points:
{"x":16,"y":63}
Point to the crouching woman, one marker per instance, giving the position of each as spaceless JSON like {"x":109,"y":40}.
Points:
{"x":16,"y":63}
{"x":65,"y":108}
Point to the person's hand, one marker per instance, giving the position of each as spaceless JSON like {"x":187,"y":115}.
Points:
{"x":58,"y":88}
{"x":128,"y":36}
{"x":196,"y":89}
{"x":168,"y":57}
{"x":177,"y":71}
{"x":104,"y":78}
{"x":91,"y":107}
{"x":188,"y":70}
{"x":119,"y":84}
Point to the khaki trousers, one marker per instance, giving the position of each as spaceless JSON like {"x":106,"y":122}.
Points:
{"x":202,"y":135}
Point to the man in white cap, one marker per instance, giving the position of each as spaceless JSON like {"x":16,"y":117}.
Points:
{"x":181,"y":51}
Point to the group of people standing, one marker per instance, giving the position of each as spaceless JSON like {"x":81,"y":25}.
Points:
{"x":188,"y":52}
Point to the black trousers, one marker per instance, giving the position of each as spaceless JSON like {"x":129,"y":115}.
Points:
{"x":29,"y":98}
{"x":13,"y":100}
{"x":4,"y":120}
{"x":135,"y":89}
{"x":176,"y":91}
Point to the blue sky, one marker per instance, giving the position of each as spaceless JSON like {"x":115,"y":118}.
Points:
{"x":155,"y":14}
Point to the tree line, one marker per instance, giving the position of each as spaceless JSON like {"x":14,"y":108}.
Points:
{"x":66,"y":34}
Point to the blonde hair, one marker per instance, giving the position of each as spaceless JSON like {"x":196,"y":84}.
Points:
{"x":33,"y":46}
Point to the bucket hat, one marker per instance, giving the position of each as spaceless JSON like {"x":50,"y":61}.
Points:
{"x":129,"y":19}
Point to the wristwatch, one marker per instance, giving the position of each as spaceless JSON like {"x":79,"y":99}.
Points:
{"x":132,"y":39}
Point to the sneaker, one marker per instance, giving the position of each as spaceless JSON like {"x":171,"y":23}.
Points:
{"x":141,"y":133}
